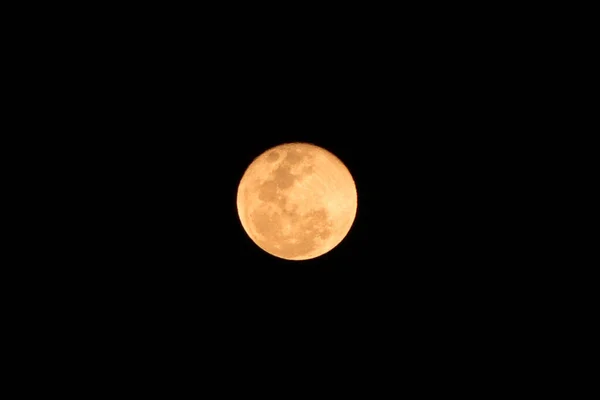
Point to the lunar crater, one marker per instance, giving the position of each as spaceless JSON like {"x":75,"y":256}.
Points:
{"x":273,"y":156}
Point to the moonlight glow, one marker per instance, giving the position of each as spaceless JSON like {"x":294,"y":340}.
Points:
{"x":297,"y":201}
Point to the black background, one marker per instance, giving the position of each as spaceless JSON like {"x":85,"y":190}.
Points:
{"x":179,"y":118}
{"x":162,"y":115}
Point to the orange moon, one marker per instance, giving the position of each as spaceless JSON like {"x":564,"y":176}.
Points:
{"x":297,"y":201}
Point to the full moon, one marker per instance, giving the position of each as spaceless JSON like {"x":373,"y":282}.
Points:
{"x":297,"y":201}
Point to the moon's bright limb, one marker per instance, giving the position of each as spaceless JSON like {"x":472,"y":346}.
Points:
{"x":297,"y":201}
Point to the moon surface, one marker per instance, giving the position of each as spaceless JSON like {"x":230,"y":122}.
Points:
{"x":297,"y":201}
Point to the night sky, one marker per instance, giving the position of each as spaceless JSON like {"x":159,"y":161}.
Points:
{"x":418,"y":117}
{"x":415,"y":240}
{"x":176,"y":145}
